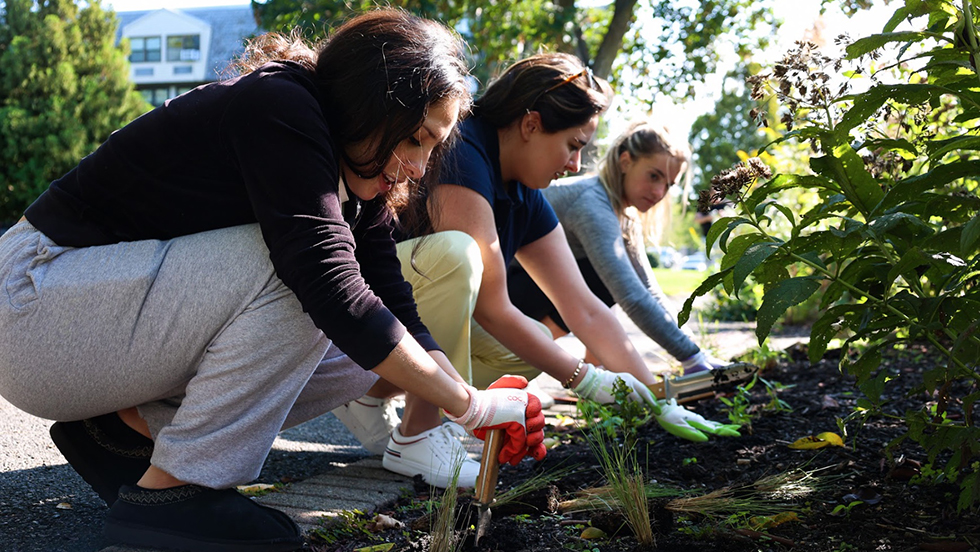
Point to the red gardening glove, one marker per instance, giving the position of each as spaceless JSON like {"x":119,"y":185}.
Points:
{"x":505,"y":405}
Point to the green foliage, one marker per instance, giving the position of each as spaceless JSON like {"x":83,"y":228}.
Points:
{"x":606,"y":35}
{"x":762,"y":356}
{"x":349,"y":523}
{"x":744,"y":306}
{"x":737,"y":406}
{"x":891,"y":240}
{"x":845,"y":509}
{"x":64,"y":87}
{"x":773,"y":388}
{"x":619,"y":420}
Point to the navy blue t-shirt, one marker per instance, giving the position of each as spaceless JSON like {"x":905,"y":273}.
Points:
{"x":521,"y":214}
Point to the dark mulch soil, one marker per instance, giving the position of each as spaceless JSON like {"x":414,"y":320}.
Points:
{"x":901,"y":514}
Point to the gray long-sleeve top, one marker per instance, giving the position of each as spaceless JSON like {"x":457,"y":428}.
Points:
{"x":594,"y":232}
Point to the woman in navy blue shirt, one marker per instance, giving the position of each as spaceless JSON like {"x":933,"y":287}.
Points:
{"x":527,"y":129}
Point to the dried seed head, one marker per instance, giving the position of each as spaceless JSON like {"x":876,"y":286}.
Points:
{"x":705,"y":199}
{"x":759,"y":167}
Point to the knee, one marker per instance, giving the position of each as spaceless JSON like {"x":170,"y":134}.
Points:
{"x":458,"y":256}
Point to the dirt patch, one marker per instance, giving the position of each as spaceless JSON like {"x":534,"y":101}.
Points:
{"x":866,"y":500}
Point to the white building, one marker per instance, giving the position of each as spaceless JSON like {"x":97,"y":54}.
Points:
{"x":173,"y":51}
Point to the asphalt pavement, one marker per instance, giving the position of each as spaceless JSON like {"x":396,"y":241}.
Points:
{"x":46,"y":507}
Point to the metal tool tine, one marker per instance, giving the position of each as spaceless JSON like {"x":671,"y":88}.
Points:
{"x":486,"y":481}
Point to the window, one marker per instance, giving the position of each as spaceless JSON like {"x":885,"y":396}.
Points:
{"x":143,"y":72}
{"x":155,"y":96}
{"x":144,"y":49}
{"x":184,"y":48}
{"x":183,"y":69}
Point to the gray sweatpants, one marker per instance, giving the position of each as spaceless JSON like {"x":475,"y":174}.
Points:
{"x":197,"y":331}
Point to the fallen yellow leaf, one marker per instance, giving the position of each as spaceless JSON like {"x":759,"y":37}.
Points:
{"x":824,"y":439}
{"x":766,"y":522}
{"x":377,"y":548}
{"x":831,"y":438}
{"x":593,"y":533}
{"x":256,"y":488}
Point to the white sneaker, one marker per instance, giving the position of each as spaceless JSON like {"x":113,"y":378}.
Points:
{"x":432,"y":454}
{"x":371,"y":420}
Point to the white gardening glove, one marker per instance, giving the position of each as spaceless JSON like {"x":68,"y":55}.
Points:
{"x":597,"y":385}
{"x":506,"y":405}
{"x":702,"y":362}
{"x":683,"y":423}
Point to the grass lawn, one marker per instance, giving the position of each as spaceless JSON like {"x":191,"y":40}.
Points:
{"x":679,"y":282}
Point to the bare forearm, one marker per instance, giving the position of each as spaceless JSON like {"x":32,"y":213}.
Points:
{"x":605,"y":337}
{"x":411,"y":368}
{"x":524,"y":338}
{"x":443,"y":361}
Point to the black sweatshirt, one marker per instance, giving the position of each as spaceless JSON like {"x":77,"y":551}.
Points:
{"x":251,"y":149}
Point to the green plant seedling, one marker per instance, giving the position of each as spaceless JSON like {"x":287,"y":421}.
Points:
{"x":845,"y":509}
{"x":348,"y":523}
{"x":737,"y":407}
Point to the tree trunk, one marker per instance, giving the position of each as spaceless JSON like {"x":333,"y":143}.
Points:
{"x":612,"y":42}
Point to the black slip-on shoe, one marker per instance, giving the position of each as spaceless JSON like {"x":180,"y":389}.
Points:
{"x":104,"y":451}
{"x":199,"y":519}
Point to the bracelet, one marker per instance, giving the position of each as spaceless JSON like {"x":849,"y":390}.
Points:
{"x":567,"y":384}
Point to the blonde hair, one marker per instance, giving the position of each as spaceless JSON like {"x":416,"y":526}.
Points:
{"x":642,"y":138}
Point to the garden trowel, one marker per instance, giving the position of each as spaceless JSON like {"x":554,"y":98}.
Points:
{"x":703,"y":384}
{"x":486,"y":482}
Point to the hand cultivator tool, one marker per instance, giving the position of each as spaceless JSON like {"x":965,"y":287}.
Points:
{"x":703,"y":384}
{"x":486,"y":481}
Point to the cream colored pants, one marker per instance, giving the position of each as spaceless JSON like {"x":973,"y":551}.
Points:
{"x":445,"y":272}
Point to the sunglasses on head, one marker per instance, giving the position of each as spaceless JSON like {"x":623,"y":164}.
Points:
{"x":587,"y":73}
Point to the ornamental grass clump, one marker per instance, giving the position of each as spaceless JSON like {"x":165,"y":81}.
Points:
{"x":891,"y":240}
{"x":443,"y":532}
{"x":769,"y":496}
{"x":612,"y":435}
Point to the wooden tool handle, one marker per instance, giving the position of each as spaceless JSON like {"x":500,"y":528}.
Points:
{"x":486,"y":482}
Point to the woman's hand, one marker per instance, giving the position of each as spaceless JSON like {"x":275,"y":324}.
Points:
{"x":505,"y":405}
{"x":597,"y":385}
{"x":683,"y":423}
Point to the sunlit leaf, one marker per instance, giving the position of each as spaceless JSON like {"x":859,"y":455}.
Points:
{"x":783,"y":295}
{"x":376,"y":548}
{"x":592,"y":533}
{"x":831,"y":438}
{"x":825,"y":439}
{"x":767,"y":522}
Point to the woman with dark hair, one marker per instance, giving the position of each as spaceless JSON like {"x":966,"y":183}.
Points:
{"x":528,"y":129}
{"x":607,"y":218}
{"x":224,"y":267}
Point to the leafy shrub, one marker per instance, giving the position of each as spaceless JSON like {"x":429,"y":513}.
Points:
{"x":890,"y":246}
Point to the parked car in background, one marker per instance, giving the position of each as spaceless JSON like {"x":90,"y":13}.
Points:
{"x":695,"y":261}
{"x":663,"y":256}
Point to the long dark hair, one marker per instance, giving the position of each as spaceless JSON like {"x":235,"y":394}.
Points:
{"x":378,"y":73}
{"x":558,"y":86}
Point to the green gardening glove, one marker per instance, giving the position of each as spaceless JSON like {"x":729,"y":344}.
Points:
{"x":683,"y":423}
